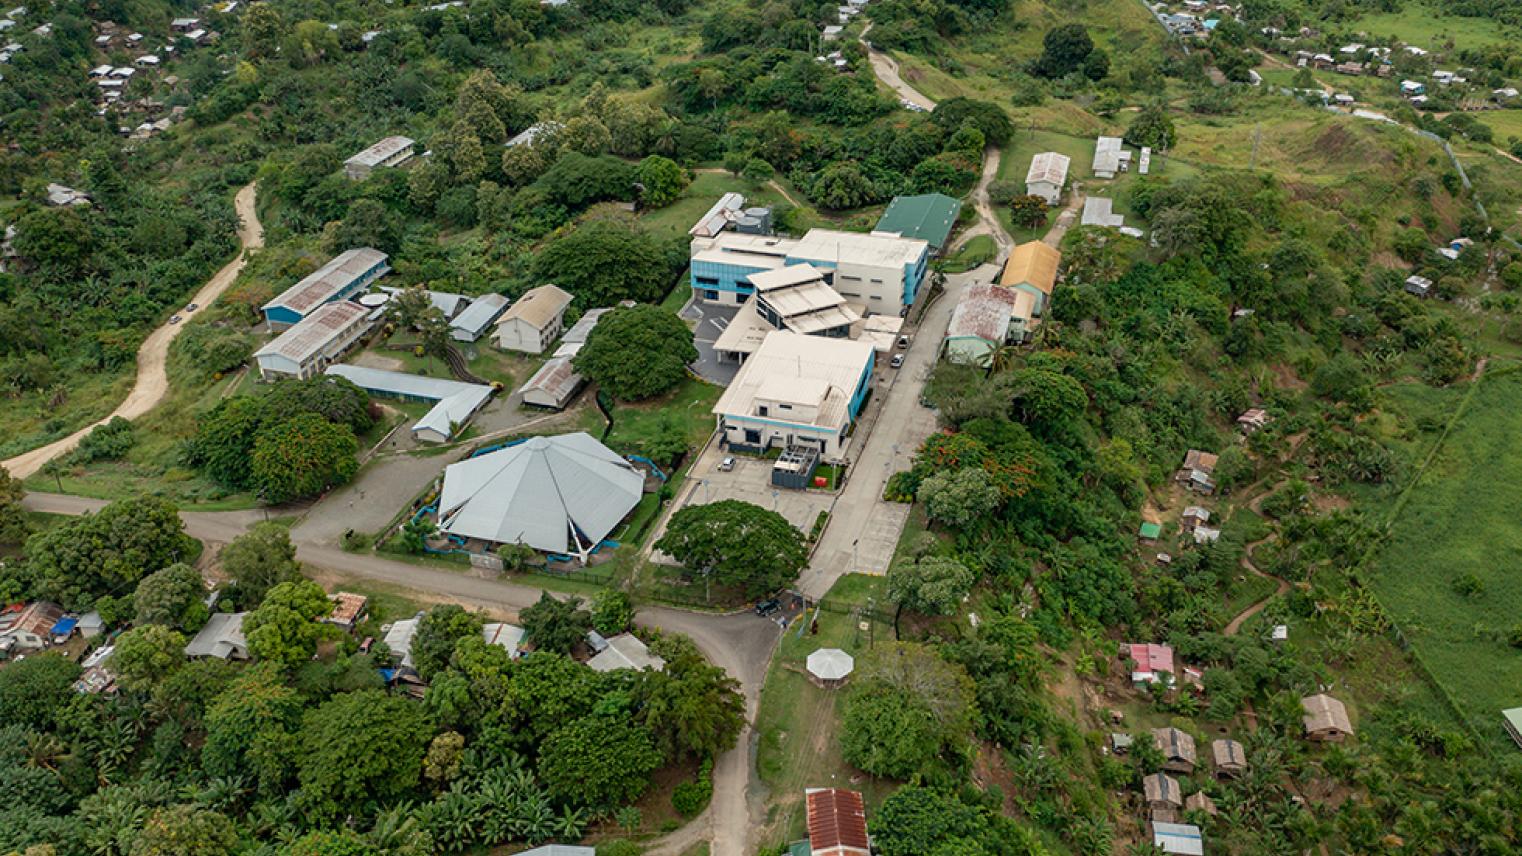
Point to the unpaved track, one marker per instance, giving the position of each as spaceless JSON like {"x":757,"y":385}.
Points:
{"x":886,"y":69}
{"x":152,"y":380}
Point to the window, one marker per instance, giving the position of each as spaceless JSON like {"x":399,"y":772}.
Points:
{"x":707,"y":280}
{"x":851,"y":278}
{"x":710,"y":294}
{"x":784,"y":407}
{"x":761,"y":410}
{"x":752,"y":435}
{"x":876,"y":280}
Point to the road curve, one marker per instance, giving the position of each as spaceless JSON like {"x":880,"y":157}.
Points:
{"x":886,"y":69}
{"x":152,"y":380}
{"x":740,"y":643}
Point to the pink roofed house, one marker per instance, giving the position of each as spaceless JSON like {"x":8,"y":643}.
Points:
{"x":1151,"y":660}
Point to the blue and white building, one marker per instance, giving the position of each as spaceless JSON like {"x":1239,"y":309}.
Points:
{"x":797,"y":390}
{"x":878,"y":272}
{"x":344,"y":276}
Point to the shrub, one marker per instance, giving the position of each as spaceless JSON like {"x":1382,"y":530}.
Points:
{"x":690,"y":798}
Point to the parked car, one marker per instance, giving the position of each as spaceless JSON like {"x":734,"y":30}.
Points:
{"x":174,"y":319}
{"x":903,"y":342}
{"x":192,"y":307}
{"x":897,"y":361}
{"x":767,"y":607}
{"x":727,"y":464}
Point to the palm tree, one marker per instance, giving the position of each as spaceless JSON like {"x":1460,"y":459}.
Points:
{"x":571,"y":824}
{"x":45,"y":750}
{"x":1003,"y":358}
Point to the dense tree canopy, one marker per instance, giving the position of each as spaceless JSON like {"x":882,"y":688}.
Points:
{"x":637,"y":352}
{"x":106,"y":552}
{"x":604,"y":261}
{"x":737,"y":543}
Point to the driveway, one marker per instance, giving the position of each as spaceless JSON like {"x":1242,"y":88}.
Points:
{"x":864,"y":530}
{"x":710,"y":322}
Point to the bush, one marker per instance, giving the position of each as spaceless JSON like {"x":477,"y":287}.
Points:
{"x":107,"y":442}
{"x":619,"y":848}
{"x":690,"y":798}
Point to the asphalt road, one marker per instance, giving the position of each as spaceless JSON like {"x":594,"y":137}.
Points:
{"x":740,"y":643}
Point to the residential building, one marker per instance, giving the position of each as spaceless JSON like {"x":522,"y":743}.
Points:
{"x":1178,"y":839}
{"x":398,"y":638}
{"x":573,"y":339}
{"x":1193,"y":516}
{"x":1111,"y":157}
{"x":984,"y":320}
{"x":1206,"y":534}
{"x":29,"y":628}
{"x":625,"y":651}
{"x":837,"y":823}
{"x":316,"y":342}
{"x":1253,"y":420}
{"x":342,"y":277}
{"x":882,"y":273}
{"x":562,"y":495}
{"x":531,"y":134}
{"x":62,"y":195}
{"x":1099,"y":211}
{"x":391,"y":151}
{"x":796,"y":391}
{"x":1229,"y":757}
{"x":184,"y":25}
{"x":1201,"y":802}
{"x":1047,"y":175}
{"x":1198,"y":471}
{"x":1178,"y":750}
{"x":1154,"y":663}
{"x":928,"y":217}
{"x":1162,"y":793}
{"x":508,"y":637}
{"x":553,"y":385}
{"x":348,"y":609}
{"x":1326,"y":718}
{"x":482,"y":313}
{"x":455,"y":402}
{"x":222,"y":637}
{"x":534,"y":321}
{"x":1032,"y":268}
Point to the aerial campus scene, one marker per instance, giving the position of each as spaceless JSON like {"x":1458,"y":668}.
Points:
{"x":717,"y":428}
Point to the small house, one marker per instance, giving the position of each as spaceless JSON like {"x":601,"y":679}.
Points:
{"x":184,"y":25}
{"x":1161,"y":793}
{"x":1418,"y":285}
{"x":1180,"y":839}
{"x":553,"y":385}
{"x":1149,"y":532}
{"x":836,"y":824}
{"x":30,"y":628}
{"x":1194,"y":516}
{"x":1201,"y":802}
{"x":534,"y":321}
{"x":1206,"y":535}
{"x":1153,"y":663}
{"x":1409,"y":88}
{"x":1198,"y":470}
{"x":508,"y":637}
{"x":1120,"y":742}
{"x":1047,"y":174}
{"x":1229,"y":758}
{"x":348,"y":609}
{"x":1325,"y":719}
{"x":1253,"y":420}
{"x":625,"y":651}
{"x":222,"y":638}
{"x":482,"y":313}
{"x":1178,"y":750}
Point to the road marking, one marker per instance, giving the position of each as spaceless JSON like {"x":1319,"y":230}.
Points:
{"x":717,"y":323}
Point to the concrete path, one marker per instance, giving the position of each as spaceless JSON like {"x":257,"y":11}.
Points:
{"x":152,"y":380}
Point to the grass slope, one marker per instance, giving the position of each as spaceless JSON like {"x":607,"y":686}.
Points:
{"x":1461,"y":520}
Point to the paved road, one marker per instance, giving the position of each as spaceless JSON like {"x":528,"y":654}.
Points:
{"x":152,"y":380}
{"x":741,"y":643}
{"x":864,"y":530}
{"x":886,"y":69}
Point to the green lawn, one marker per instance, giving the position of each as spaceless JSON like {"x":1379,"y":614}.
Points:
{"x":798,"y":721}
{"x":1461,"y":521}
{"x":1506,"y":124}
{"x":675,"y":219}
{"x":976,"y":251}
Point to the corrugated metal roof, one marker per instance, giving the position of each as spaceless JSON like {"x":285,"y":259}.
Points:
{"x":315,"y":332}
{"x":837,"y":818}
{"x":480,"y":314}
{"x":1180,"y":838}
{"x":928,"y":217}
{"x":625,"y":651}
{"x":983,"y":312}
{"x":1050,"y":167}
{"x":221,"y":637}
{"x":332,"y":278}
{"x":557,"y":378}
{"x":1032,"y":263}
{"x":537,"y":491}
{"x":457,"y":401}
{"x":381,"y":151}
{"x":538,"y":306}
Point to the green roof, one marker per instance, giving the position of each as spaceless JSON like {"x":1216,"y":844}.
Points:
{"x":1151,"y":530}
{"x":928,"y":217}
{"x":800,"y":848}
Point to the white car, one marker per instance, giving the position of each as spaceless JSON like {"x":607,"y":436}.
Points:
{"x":727,"y":464}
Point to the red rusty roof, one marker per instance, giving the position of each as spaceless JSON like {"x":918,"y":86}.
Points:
{"x":837,"y":822}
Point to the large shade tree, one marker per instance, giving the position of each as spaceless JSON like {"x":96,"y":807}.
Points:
{"x":737,"y":543}
{"x":637,"y":352}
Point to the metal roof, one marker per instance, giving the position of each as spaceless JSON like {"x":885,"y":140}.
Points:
{"x":221,"y":637}
{"x":727,"y":209}
{"x":540,"y":491}
{"x":1050,"y":167}
{"x":928,"y":217}
{"x":559,"y":850}
{"x":480,"y":314}
{"x":830,"y":245}
{"x":557,"y":378}
{"x":457,"y":401}
{"x":323,"y":284}
{"x":508,"y":636}
{"x":791,"y":359}
{"x":1181,"y":838}
{"x":538,"y":306}
{"x":315,"y":332}
{"x":381,"y":152}
{"x":1032,"y":263}
{"x":625,"y":651}
{"x":399,"y":638}
{"x":837,"y":821}
{"x":983,"y":312}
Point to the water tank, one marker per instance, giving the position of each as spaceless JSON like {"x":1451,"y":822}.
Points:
{"x":374,"y":299}
{"x":755,"y":221}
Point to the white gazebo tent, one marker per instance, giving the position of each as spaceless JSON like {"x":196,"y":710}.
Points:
{"x":829,"y":667}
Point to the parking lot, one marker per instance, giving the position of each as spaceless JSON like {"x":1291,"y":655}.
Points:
{"x":751,"y":481}
{"x":711,"y":321}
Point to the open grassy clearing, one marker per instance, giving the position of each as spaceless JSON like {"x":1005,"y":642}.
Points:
{"x":705,"y":189}
{"x":1460,"y":524}
{"x":1425,"y":25}
{"x":1506,"y":124}
{"x":798,"y":721}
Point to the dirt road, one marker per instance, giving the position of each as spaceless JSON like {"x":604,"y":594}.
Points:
{"x":152,"y":380}
{"x":988,"y":222}
{"x":886,"y":69}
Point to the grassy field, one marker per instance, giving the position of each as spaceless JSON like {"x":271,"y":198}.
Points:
{"x":633,"y":424}
{"x":1424,"y":25}
{"x":1460,"y":523}
{"x":797,"y":723}
{"x":1506,"y":124}
{"x":675,"y":219}
{"x":977,"y":250}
